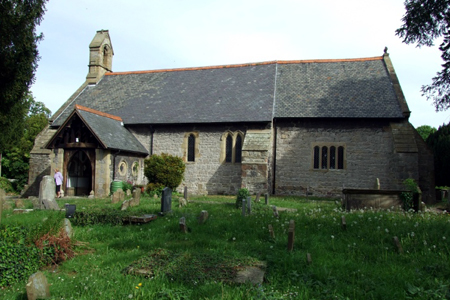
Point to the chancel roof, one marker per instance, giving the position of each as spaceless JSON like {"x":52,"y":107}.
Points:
{"x":259,"y":92}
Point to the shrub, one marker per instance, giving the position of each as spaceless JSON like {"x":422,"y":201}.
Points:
{"x":6,"y":185}
{"x":408,"y":197}
{"x":127,"y":185}
{"x":154,"y":189}
{"x":164,"y":169}
{"x":241,"y":195}
{"x":104,"y":216}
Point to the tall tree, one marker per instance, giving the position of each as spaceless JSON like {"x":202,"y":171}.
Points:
{"x":425,"y":131}
{"x":425,"y":21}
{"x":18,"y":62}
{"x":439,"y":142}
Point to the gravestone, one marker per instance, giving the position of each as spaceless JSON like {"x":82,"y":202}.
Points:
{"x":343,"y":223}
{"x":244,"y":208}
{"x":118,"y":196}
{"x":19,"y":203}
{"x":91,"y":195}
{"x":377,"y":184}
{"x":308,"y":258}
{"x":70,"y":210}
{"x":2,"y":199}
{"x":271,"y":232}
{"x":136,"y":200}
{"x":182,"y":202}
{"x":249,"y":205}
{"x":37,"y":287}
{"x":266,"y":198}
{"x":398,"y":244}
{"x":183,"y":227}
{"x":128,"y":192}
{"x":47,"y":191}
{"x":68,"y":228}
{"x":291,"y":235}
{"x":257,"y":197}
{"x":203,"y":217}
{"x":125,"y":205}
{"x":185,"y":194}
{"x":275,"y":211}
{"x":166,"y":200}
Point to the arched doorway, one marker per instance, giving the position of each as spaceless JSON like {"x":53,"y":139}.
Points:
{"x":79,"y":174}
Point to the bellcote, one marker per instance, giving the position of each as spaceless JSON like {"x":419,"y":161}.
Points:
{"x":100,"y":56}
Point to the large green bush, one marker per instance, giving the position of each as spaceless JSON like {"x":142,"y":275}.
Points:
{"x":439,"y":142}
{"x":241,"y":195}
{"x":164,"y":169}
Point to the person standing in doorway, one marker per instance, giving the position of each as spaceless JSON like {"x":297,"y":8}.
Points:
{"x":58,"y":180}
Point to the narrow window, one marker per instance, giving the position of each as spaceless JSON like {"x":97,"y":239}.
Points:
{"x":238,"y":147}
{"x":229,"y":149}
{"x":341,"y":157}
{"x":191,"y":148}
{"x":316,"y":157}
{"x":324,"y":157}
{"x":332,"y":157}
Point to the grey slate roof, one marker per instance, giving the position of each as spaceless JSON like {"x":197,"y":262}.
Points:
{"x":246,"y":93}
{"x":111,"y":133}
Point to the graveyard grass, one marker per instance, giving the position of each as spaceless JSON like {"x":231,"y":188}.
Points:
{"x":360,"y":262}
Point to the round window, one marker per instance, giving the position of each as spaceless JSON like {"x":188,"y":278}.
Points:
{"x":135,"y":169}
{"x":123,"y":167}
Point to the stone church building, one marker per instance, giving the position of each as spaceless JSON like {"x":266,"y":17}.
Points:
{"x":279,"y":127}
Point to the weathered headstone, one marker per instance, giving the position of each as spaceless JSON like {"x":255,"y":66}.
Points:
{"x":343,"y":223}
{"x":118,"y":196}
{"x":6,"y":205}
{"x":266,"y":198}
{"x":183,"y":227}
{"x":37,"y":287}
{"x":125,"y":205}
{"x":377,"y":184}
{"x":203,"y":217}
{"x":68,"y":228}
{"x":182,"y":202}
{"x":166,"y":200}
{"x":291,"y":235}
{"x":249,"y":205}
{"x":136,"y":200}
{"x":257,"y":197}
{"x":70,"y":210}
{"x":275,"y":211}
{"x":398,"y":244}
{"x":21,"y":211}
{"x":185,"y":194}
{"x":128,"y":192}
{"x":91,"y":195}
{"x":47,"y":191}
{"x":19,"y":203}
{"x":308,"y":258}
{"x":244,"y":208}
{"x":2,"y":199}
{"x":271,"y":232}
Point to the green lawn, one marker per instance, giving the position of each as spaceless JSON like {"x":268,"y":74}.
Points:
{"x":361,"y":262}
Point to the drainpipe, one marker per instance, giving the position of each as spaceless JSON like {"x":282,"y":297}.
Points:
{"x":152,"y":131}
{"x":274,"y":157}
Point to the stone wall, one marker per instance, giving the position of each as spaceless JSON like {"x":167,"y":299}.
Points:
{"x":369,"y":154}
{"x":208,"y":174}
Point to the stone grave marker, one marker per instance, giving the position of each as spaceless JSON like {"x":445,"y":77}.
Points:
{"x":377,"y":184}
{"x":118,"y":196}
{"x":308,"y":258}
{"x":136,"y":200}
{"x":19,"y":203}
{"x":185,"y":194}
{"x":275,"y":211}
{"x":271,"y":232}
{"x":125,"y":205}
{"x":266,"y":198}
{"x":128,"y":192}
{"x":182,"y":202}
{"x":68,"y":228}
{"x":166,"y":200}
{"x":244,"y":208}
{"x":70,"y":210}
{"x":249,"y":205}
{"x":257,"y":197}
{"x":203,"y":217}
{"x":183,"y":227}
{"x":47,"y":190}
{"x":291,"y":235}
{"x":37,"y":287}
{"x":91,"y":195}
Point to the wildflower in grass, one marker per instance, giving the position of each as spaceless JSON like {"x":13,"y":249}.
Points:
{"x":234,"y":238}
{"x":140,"y":284}
{"x":424,"y":243}
{"x":412,"y":234}
{"x":387,"y":230}
{"x":332,"y":237}
{"x":444,"y":238}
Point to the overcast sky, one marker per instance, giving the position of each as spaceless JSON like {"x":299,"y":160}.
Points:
{"x":161,"y":34}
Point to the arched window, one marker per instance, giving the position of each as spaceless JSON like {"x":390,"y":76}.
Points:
{"x":328,"y":157}
{"x":332,"y":157}
{"x":229,"y":149}
{"x":341,"y":157}
{"x":324,"y":157}
{"x":191,"y":148}
{"x":316,"y":157}
{"x":238,"y":149}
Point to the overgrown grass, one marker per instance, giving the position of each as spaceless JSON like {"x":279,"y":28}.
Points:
{"x":361,"y":262}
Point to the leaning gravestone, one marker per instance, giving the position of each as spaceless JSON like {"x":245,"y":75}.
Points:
{"x":47,"y":190}
{"x":136,"y":200}
{"x":166,"y":200}
{"x":125,"y":204}
{"x":19,"y":203}
{"x":37,"y":287}
{"x":118,"y":196}
{"x":68,"y":228}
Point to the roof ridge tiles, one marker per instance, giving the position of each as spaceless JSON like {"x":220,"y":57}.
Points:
{"x":97,"y":112}
{"x":249,"y":65}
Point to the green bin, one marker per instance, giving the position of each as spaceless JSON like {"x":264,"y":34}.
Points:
{"x":115,"y":185}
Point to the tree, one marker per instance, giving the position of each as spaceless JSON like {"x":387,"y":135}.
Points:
{"x":15,"y":163}
{"x":164,"y":169}
{"x":439,"y":141}
{"x":18,"y":62}
{"x":425,"y":21}
{"x":425,"y":131}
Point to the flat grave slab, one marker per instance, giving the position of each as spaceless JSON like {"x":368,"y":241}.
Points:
{"x":142,"y":219}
